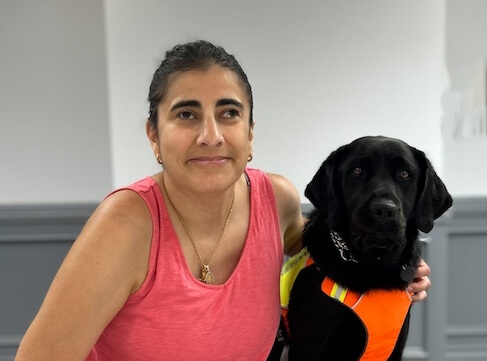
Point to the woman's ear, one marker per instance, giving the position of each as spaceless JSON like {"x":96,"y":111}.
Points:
{"x":153,"y":137}
{"x":251,"y":136}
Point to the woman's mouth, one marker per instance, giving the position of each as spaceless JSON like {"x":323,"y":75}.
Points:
{"x":213,"y":160}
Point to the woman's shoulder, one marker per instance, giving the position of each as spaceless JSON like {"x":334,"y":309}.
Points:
{"x":279,"y":182}
{"x":283,"y":188}
{"x":120,"y":229}
{"x":131,"y":205}
{"x":289,"y":207}
{"x":126,"y":208}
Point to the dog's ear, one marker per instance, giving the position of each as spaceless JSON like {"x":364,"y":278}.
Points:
{"x":320,"y":191}
{"x":433,"y":199}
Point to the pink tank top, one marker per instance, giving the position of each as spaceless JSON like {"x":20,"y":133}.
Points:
{"x":173,"y":316}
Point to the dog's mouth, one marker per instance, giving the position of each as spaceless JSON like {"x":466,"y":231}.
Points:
{"x":374,"y":247}
{"x":391,"y":228}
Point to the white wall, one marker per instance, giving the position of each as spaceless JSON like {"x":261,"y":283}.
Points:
{"x":323,"y":73}
{"x":465,"y":102}
{"x":54,"y":141}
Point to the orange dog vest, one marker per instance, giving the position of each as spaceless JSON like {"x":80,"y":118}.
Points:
{"x":382,"y":312}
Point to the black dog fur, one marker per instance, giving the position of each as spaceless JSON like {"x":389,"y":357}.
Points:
{"x":376,"y":192}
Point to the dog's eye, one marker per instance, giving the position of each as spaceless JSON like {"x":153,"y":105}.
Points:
{"x":357,"y":171}
{"x":404,"y":174}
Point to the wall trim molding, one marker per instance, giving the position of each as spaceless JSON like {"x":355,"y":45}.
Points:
{"x":10,"y":340}
{"x":466,"y":331}
{"x":68,"y":212}
{"x":472,"y":206}
{"x":35,"y":213}
{"x":43,"y":222}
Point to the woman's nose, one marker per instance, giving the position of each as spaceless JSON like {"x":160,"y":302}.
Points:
{"x":210,"y":133}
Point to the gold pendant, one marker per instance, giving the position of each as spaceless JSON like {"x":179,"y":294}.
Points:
{"x":207,"y":275}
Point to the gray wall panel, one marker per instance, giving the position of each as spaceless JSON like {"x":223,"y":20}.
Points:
{"x":33,"y":242}
{"x":450,"y":325}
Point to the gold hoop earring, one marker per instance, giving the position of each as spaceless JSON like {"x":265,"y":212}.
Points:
{"x":250,"y":157}
{"x":158,"y":158}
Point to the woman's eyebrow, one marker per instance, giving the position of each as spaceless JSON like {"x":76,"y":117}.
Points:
{"x":197,"y":104}
{"x":229,"y":101}
{"x":186,"y":103}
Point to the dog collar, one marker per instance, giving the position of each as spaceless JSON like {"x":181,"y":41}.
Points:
{"x":342,"y":247}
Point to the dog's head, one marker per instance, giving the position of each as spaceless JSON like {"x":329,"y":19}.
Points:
{"x":375,"y":191}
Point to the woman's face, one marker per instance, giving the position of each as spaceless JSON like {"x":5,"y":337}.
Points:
{"x":203,"y":134}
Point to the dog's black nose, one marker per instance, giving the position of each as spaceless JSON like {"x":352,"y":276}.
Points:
{"x":383,"y":209}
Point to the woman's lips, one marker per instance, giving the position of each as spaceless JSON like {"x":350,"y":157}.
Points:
{"x":216,"y":160}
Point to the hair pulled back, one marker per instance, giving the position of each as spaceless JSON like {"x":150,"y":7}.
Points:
{"x":198,"y":55}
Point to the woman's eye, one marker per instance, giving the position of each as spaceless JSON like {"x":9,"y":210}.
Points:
{"x":230,"y":113}
{"x":357,"y":171}
{"x":186,"y":115}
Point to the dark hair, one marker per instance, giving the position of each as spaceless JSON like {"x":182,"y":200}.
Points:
{"x":190,"y":56}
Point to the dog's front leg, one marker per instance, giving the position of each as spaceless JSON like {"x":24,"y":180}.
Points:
{"x":321,"y":327}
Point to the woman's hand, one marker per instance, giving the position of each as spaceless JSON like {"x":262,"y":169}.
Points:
{"x":421,"y":282}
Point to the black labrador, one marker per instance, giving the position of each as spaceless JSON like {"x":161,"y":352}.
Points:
{"x":371,"y":197}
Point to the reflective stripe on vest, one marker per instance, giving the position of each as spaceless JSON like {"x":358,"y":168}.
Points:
{"x":290,"y":271}
{"x":382,"y":313}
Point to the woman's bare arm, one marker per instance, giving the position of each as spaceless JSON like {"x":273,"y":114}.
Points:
{"x":105,"y":265}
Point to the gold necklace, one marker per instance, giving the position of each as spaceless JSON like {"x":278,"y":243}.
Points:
{"x":206,"y":274}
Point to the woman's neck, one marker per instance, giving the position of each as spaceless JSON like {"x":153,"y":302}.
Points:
{"x":201,"y":211}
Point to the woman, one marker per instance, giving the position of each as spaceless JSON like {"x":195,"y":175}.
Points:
{"x":183,"y":265}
